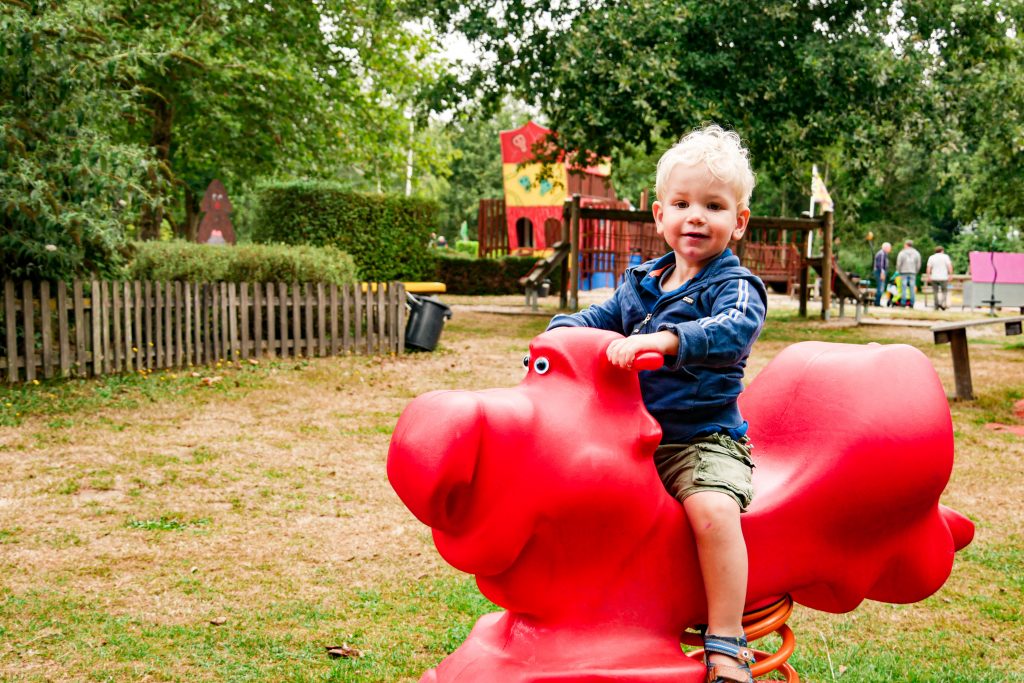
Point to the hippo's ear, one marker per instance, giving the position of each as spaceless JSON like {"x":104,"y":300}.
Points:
{"x":648,"y":360}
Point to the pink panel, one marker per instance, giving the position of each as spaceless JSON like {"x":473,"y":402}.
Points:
{"x":1009,"y":267}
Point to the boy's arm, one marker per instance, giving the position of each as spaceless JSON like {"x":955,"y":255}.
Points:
{"x":726,"y":336}
{"x":604,"y":316}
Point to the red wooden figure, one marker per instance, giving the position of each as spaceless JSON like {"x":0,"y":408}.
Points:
{"x":216,"y":228}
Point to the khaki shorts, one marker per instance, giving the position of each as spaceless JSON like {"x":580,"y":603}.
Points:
{"x":709,"y":463}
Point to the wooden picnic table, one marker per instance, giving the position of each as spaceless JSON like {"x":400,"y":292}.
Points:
{"x":955,"y":333}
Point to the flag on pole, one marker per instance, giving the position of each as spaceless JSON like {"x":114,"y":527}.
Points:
{"x":819,"y":193}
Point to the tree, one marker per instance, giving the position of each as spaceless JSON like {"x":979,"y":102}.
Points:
{"x":66,"y":182}
{"x":237,"y":89}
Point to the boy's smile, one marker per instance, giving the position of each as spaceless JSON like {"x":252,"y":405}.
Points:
{"x":698,"y":216}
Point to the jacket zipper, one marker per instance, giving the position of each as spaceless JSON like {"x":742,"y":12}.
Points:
{"x":642,"y":323}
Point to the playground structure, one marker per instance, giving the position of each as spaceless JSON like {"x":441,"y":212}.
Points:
{"x":605,"y":241}
{"x":565,"y":213}
{"x":529,"y":218}
{"x":563,"y":519}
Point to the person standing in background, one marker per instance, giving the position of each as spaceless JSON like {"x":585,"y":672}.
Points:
{"x":938,"y":271}
{"x":881,"y":271}
{"x":908,"y":262}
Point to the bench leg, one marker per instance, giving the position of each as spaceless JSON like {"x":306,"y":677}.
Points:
{"x":961,"y":365}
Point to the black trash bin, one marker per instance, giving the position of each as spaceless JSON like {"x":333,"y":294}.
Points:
{"x":426,"y":318}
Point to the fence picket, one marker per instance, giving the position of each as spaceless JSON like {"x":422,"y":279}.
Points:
{"x":346,"y":318}
{"x":46,"y":328}
{"x":234,"y":348}
{"x":357,"y":318}
{"x":12,"y":331}
{"x":179,"y":306}
{"x":257,"y":320}
{"x":62,"y":328}
{"x":115,"y":323}
{"x":28,"y":324}
{"x":282,"y":310}
{"x":307,"y":294}
{"x":79,"y":304}
{"x":269,"y":301}
{"x":106,"y":348}
{"x":243,"y":299}
{"x":381,"y":318}
{"x":158,"y":317}
{"x":145,"y":325}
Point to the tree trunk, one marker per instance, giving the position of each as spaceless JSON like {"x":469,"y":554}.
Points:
{"x":191,"y":226}
{"x":160,"y":141}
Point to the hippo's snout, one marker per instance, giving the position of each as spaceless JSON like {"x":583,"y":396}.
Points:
{"x":433,"y":456}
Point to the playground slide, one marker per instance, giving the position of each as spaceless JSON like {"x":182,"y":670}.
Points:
{"x":545,"y":266}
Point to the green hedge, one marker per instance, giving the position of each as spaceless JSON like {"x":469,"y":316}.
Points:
{"x":386,"y":235}
{"x":169,"y":261}
{"x":465,"y":275}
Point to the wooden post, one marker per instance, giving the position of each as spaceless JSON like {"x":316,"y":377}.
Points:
{"x":961,"y":364}
{"x":826,"y":265}
{"x":574,"y":252}
{"x":563,"y":288}
{"x":805,"y":281}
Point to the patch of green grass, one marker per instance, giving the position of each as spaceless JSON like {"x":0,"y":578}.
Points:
{"x":202,"y":454}
{"x":163,"y":523}
{"x":68,"y":487}
{"x":8,"y":536}
{"x":68,"y":397}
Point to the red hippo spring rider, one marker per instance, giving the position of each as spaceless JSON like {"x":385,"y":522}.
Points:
{"x":548,"y":493}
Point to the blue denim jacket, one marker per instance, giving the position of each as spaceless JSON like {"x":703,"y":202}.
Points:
{"x":717,"y":316}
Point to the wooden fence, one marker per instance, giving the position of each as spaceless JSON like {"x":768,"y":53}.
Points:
{"x":95,"y":328}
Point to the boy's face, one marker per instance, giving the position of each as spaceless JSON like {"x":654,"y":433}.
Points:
{"x":698,"y":215}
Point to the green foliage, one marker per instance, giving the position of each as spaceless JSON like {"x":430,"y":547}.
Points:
{"x":387,"y":235}
{"x":984,"y":235}
{"x":67,"y":184}
{"x":189,"y":262}
{"x":470,"y":247}
{"x":911,"y":110}
{"x":485,"y":276}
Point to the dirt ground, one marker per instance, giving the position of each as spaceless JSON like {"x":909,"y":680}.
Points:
{"x":280,"y":488}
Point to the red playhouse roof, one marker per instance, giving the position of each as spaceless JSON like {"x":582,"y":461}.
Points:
{"x":517,"y":148}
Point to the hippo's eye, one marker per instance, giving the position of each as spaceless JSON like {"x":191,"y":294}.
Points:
{"x":526,"y":361}
{"x":541,"y":365}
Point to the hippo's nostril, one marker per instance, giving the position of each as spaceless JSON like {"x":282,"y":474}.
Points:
{"x":457,"y":504}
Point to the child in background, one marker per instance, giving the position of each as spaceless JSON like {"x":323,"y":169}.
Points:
{"x":700,"y":309}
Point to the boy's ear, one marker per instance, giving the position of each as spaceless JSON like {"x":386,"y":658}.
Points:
{"x":742,"y":218}
{"x":657,"y":210}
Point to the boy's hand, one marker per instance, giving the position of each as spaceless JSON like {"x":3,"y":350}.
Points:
{"x":622,"y":352}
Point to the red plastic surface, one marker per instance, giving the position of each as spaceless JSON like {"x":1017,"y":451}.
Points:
{"x":547,"y":492}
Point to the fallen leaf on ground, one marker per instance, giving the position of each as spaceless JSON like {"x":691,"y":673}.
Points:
{"x":344,"y":650}
{"x":219,"y":621}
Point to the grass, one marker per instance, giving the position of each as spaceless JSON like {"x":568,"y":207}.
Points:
{"x":160,"y":529}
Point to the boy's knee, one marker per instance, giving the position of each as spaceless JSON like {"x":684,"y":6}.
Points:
{"x":709,"y":511}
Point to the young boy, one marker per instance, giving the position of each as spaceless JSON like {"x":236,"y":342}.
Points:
{"x":700,"y":309}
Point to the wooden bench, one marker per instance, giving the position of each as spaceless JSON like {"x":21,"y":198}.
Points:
{"x":956,"y":335}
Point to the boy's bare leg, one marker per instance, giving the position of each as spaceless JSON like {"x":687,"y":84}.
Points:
{"x":722,"y":553}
